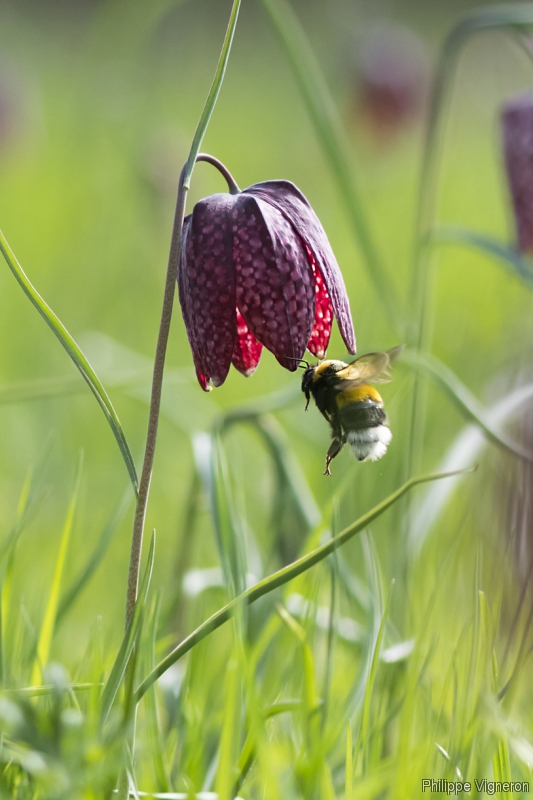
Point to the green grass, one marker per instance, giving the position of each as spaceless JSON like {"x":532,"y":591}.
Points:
{"x":313,"y":638}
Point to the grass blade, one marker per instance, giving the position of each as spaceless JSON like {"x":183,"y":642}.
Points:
{"x":288,"y":470}
{"x":7,"y":552}
{"x":212,"y":469}
{"x":467,"y":404}
{"x":325,"y":118}
{"x":156,"y":739}
{"x":95,"y":559}
{"x":516,"y":263}
{"x":50,"y":614}
{"x":364,"y":734}
{"x":130,"y":637}
{"x":229,"y":737}
{"x":348,"y":784}
{"x":75,"y":354}
{"x":283,"y":576}
{"x":511,"y":18}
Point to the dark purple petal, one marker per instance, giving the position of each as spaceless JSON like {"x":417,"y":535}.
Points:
{"x":183,"y":291}
{"x":275,"y":285}
{"x":319,"y":340}
{"x":247,"y":349}
{"x":291,"y":203}
{"x":517,"y":124}
{"x":206,"y":280}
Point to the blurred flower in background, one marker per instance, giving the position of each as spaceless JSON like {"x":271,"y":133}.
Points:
{"x":256,"y":269}
{"x":517,"y":132}
{"x":392,"y":77}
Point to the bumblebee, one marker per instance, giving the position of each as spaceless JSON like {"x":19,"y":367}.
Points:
{"x":353,"y":408}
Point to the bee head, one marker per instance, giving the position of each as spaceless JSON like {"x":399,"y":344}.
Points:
{"x":317,"y":375}
{"x":307,"y":381}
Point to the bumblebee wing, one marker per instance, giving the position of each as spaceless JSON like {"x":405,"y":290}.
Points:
{"x":372,"y":367}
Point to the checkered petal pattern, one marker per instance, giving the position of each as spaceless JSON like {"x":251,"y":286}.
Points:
{"x":256,"y":270}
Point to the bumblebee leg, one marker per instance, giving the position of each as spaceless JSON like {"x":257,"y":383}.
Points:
{"x":334,"y":450}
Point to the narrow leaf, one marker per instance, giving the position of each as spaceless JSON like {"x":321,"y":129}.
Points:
{"x":50,"y":614}
{"x":348,"y":781}
{"x":325,"y":118}
{"x":364,"y":734}
{"x":465,"y":401}
{"x":287,"y":467}
{"x":75,"y":353}
{"x":515,"y":262}
{"x":283,"y":576}
{"x":212,"y":97}
{"x":229,"y":736}
{"x":95,"y":559}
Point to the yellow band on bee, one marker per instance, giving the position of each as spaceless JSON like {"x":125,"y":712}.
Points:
{"x":358,"y":394}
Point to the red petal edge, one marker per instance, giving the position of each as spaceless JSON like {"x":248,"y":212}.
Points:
{"x":247,"y":349}
{"x":320,"y":335}
{"x":203,"y":380}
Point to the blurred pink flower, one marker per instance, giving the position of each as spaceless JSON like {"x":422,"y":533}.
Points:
{"x":517,"y":130}
{"x":393,"y":71}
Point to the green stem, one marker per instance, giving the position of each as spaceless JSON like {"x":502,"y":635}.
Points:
{"x":332,"y":136}
{"x":212,"y":97}
{"x":166,"y":313}
{"x":281,"y":577}
{"x":224,"y":171}
{"x":507,"y":18}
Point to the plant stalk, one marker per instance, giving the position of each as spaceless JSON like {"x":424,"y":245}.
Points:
{"x":511,"y":18}
{"x":155,"y":401}
{"x":166,"y":313}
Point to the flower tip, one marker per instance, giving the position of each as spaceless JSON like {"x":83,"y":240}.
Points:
{"x":203,"y":380}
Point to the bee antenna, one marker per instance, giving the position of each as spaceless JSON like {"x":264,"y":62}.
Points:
{"x":301,"y":360}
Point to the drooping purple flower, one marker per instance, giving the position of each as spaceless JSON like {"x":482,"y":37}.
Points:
{"x":256,"y":269}
{"x":517,"y":129}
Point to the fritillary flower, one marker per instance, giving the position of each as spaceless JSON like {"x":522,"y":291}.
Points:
{"x":256,"y":270}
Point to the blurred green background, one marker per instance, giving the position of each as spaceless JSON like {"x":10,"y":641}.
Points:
{"x":98,"y":104}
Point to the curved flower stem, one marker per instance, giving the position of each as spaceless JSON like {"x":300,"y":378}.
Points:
{"x":166,"y":313}
{"x":224,"y":171}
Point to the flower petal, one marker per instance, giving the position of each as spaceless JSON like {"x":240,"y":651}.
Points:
{"x":186,"y":306}
{"x":517,"y":124}
{"x":274,"y":280}
{"x":206,"y":280}
{"x":287,"y":199}
{"x":247,"y":349}
{"x":319,"y":340}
